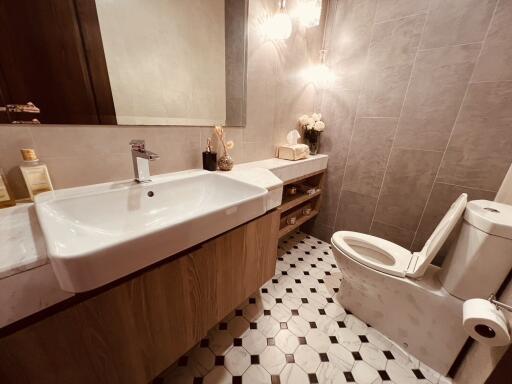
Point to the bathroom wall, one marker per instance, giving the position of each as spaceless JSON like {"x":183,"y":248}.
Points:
{"x":421,"y":111}
{"x":184,"y":83}
{"x":276,"y":95}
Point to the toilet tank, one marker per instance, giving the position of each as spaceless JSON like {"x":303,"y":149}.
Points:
{"x":480,"y":258}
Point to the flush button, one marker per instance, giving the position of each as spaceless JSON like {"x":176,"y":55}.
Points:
{"x":491,"y":210}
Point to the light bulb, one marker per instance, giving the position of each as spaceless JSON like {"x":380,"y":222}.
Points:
{"x":279,"y":26}
{"x":308,"y":12}
{"x":321,"y":75}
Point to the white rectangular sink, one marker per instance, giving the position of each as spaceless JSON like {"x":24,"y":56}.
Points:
{"x":97,"y":234}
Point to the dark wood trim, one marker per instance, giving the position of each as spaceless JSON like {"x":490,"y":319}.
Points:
{"x":89,"y":26}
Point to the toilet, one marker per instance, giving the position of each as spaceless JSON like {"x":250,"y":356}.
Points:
{"x":419,"y":305}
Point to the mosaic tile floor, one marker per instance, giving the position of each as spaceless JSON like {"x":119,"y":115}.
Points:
{"x":293,"y":331}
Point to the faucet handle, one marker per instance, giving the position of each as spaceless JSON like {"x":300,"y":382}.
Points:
{"x":138,"y":145}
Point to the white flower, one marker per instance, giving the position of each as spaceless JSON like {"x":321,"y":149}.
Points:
{"x":303,"y":120}
{"x":316,"y":116}
{"x":310,"y":122}
{"x":319,"y":126}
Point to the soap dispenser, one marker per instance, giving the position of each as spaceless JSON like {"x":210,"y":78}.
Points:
{"x":209,"y":157}
{"x":35,"y":173}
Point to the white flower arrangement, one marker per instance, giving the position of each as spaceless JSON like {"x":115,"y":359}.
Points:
{"x":313,"y":122}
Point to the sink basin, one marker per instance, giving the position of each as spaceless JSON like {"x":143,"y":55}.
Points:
{"x":97,"y":234}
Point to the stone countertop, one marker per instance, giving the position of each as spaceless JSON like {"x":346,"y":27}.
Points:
{"x":22,"y":246}
{"x":27,"y":282}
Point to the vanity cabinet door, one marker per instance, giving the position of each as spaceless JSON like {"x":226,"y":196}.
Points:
{"x":133,"y":331}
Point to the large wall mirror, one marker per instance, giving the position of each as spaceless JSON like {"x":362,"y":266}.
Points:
{"x":133,"y":62}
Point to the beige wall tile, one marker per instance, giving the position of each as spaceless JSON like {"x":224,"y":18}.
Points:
{"x":438,"y":84}
{"x":349,"y":41}
{"x":369,"y":152}
{"x":457,"y":22}
{"x":441,"y":198}
{"x":355,"y":212}
{"x":390,"y":58}
{"x":338,"y":111}
{"x":98,"y":151}
{"x":480,"y":150}
{"x":75,"y":171}
{"x":330,"y":195}
{"x":396,"y":235}
{"x":494,"y":62}
{"x":319,"y":230}
{"x":409,"y":178}
{"x":393,"y":9}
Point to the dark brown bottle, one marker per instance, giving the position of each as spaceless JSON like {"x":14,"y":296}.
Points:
{"x":209,"y":157}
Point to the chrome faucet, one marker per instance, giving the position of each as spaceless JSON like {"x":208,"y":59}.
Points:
{"x":141,"y":158}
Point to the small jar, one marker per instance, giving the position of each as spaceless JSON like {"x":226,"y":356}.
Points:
{"x":306,"y":211}
{"x":292,"y":190}
{"x":291,"y":220}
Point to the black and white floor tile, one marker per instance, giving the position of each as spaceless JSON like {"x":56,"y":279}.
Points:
{"x":294,"y":331}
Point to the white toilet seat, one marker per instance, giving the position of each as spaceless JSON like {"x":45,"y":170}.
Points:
{"x":392,"y":259}
{"x":374,"y":252}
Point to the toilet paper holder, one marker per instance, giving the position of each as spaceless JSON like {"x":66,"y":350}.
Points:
{"x":498,"y":304}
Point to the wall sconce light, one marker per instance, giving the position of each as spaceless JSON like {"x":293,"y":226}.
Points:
{"x":279,"y":26}
{"x":320,"y":74}
{"x":308,"y":12}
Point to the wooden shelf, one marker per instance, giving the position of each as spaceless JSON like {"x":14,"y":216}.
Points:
{"x":304,"y":177}
{"x":292,"y":201}
{"x":301,"y":220}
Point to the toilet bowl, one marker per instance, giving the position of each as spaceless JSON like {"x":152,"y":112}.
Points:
{"x":392,"y":259}
{"x":414,"y":303}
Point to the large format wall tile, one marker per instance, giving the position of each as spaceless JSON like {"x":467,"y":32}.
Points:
{"x":349,"y":41}
{"x":397,"y":235}
{"x":338,"y":113}
{"x":388,"y":69}
{"x":406,"y":187}
{"x":457,"y":22}
{"x":496,"y":58}
{"x":393,"y":9}
{"x":422,"y":61}
{"x":355,"y":212}
{"x":438,"y":84}
{"x":480,"y":150}
{"x":441,"y":198}
{"x":369,"y":152}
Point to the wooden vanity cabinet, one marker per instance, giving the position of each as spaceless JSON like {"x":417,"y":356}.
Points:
{"x":132,"y":331}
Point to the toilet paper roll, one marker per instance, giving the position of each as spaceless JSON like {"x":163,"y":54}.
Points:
{"x":485,"y":323}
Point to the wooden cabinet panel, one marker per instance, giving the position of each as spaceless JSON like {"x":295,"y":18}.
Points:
{"x":133,"y":331}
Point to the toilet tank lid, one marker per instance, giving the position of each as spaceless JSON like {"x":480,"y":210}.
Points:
{"x":491,"y":217}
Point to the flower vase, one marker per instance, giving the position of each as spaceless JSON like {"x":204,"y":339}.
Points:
{"x":312,"y":140}
{"x":225,"y":162}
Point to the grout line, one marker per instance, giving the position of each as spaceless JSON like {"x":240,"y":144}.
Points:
{"x":401,"y":18}
{"x":490,"y":81}
{"x":467,"y":187}
{"x":399,"y":116}
{"x":451,"y":46}
{"x":417,"y":149}
{"x":456,"y":119}
{"x":358,"y":102}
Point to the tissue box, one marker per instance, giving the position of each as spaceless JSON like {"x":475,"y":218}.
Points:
{"x":293,"y":151}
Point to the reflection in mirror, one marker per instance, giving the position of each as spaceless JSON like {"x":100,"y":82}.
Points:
{"x":165,"y":60}
{"x":135,"y":62}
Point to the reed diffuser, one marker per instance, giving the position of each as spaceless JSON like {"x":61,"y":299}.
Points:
{"x":225,"y":162}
